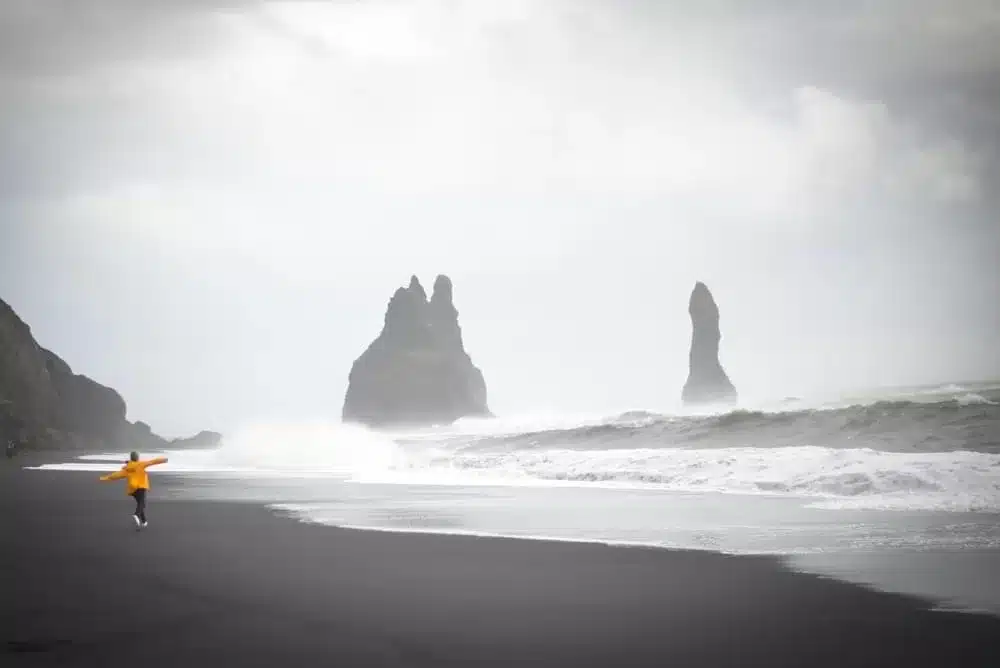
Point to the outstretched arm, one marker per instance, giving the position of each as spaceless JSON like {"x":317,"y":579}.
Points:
{"x":154,"y":462}
{"x":117,"y":475}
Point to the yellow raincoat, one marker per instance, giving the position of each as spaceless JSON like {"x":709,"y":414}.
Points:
{"x":136,"y":474}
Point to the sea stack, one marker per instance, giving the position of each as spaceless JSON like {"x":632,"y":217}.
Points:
{"x":416,"y":373}
{"x":707,"y":382}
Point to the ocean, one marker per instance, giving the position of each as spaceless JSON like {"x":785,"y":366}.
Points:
{"x":895,"y":489}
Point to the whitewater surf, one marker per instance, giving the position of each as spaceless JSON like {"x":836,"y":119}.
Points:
{"x":853,"y":487}
{"x":933,"y":449}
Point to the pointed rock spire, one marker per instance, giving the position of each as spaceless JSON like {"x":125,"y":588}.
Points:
{"x":419,"y":294}
{"x":444,"y":315}
{"x":707,"y":381}
{"x":443,"y":291}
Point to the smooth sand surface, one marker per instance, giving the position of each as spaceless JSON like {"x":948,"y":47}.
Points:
{"x":209,"y":583}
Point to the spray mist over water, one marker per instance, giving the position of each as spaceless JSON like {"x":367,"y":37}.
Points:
{"x":274,"y":449}
{"x":318,"y":447}
{"x":929,"y":448}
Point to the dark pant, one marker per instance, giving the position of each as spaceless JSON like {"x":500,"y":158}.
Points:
{"x":140,"y":504}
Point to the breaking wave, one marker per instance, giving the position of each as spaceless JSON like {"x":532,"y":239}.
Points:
{"x":968,"y":421}
{"x":865,"y":477}
{"x":930,"y":450}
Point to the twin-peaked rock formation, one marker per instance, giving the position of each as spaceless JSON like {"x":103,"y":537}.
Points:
{"x":417,"y":371}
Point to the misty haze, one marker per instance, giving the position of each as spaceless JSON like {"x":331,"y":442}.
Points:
{"x":720,"y":279}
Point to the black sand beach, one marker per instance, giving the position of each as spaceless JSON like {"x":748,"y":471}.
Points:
{"x":208,"y":583}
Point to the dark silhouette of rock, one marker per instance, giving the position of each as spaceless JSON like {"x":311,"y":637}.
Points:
{"x":203,"y":439}
{"x":707,"y":382}
{"x":25,"y":381}
{"x":417,"y":371}
{"x":46,"y":404}
{"x":85,"y":406}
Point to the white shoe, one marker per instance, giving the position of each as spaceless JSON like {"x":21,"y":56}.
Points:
{"x":138,"y":524}
{"x":145,"y":524}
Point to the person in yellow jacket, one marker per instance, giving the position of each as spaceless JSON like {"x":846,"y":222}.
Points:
{"x":134,"y":471}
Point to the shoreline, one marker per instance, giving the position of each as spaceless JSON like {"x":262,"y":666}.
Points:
{"x":962,"y":581}
{"x":225,"y":581}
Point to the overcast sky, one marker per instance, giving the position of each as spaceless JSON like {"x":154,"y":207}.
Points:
{"x":207,"y":205}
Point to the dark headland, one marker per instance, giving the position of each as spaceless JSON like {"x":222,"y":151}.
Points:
{"x":220,"y":584}
{"x":416,"y":372}
{"x":44,"y":404}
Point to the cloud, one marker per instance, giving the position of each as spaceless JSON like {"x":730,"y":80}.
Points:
{"x":270,"y":172}
{"x":59,"y":37}
{"x":849,"y":146}
{"x":432,"y":98}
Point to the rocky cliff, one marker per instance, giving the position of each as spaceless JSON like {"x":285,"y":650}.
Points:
{"x":25,"y":381}
{"x":707,"y":382}
{"x":417,"y":371}
{"x":84,"y":406}
{"x":44,"y":403}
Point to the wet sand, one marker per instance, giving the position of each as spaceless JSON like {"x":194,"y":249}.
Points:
{"x":229,"y":582}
